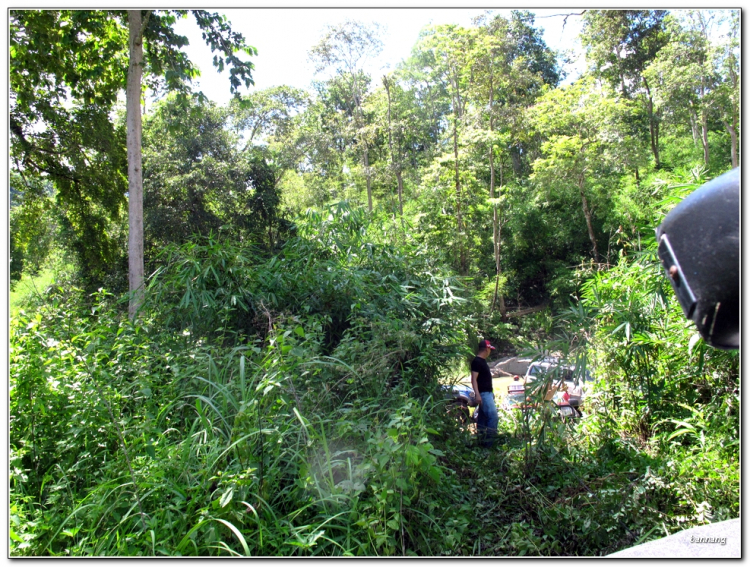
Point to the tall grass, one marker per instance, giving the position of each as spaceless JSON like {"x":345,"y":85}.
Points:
{"x":276,"y":406}
{"x":232,"y":418}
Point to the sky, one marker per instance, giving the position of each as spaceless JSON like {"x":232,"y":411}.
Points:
{"x":283,"y":37}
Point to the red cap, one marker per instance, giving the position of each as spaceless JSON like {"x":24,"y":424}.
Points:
{"x":486,"y":344}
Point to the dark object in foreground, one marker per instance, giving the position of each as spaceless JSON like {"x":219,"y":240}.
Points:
{"x":699,"y":246}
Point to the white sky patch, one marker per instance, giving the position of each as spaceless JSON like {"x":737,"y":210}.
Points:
{"x":283,"y":37}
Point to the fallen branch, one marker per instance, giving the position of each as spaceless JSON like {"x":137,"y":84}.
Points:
{"x":527,"y":311}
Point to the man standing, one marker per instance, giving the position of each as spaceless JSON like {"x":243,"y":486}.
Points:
{"x":481,"y":381}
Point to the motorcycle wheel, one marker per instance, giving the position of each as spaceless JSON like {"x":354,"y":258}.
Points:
{"x":460,"y":411}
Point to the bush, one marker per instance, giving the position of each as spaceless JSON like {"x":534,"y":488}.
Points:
{"x":259,"y":406}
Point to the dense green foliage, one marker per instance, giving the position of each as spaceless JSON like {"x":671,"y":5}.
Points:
{"x":321,"y":265}
{"x":67,"y":68}
{"x":265,"y":380}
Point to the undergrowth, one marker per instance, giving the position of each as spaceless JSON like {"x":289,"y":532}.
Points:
{"x":292,"y":405}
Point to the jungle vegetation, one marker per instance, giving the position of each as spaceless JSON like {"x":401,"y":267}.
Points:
{"x":319,"y":264}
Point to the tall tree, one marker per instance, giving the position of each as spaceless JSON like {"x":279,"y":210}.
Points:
{"x":163,"y":49}
{"x":392,"y":89}
{"x":530,"y":53}
{"x":620,"y":45}
{"x":136,"y":25}
{"x":450,"y":48}
{"x":510,"y":63}
{"x":267,"y":113}
{"x":76,"y":58}
{"x":491,"y":70}
{"x":33,"y":226}
{"x":270,"y":119}
{"x":684,"y":72}
{"x":345,"y":49}
{"x":585,"y":142}
{"x":727,"y":92}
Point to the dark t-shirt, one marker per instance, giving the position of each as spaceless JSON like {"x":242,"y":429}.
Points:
{"x":484,"y":379}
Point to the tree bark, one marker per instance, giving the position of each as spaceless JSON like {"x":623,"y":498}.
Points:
{"x":589,"y":225}
{"x":495,"y":247}
{"x":367,"y":178}
{"x":704,"y":121}
{"x":394,"y":166}
{"x":400,"y":183}
{"x":515,"y":159}
{"x":704,"y":137}
{"x":652,"y":131}
{"x":457,"y":112}
{"x":528,"y":310}
{"x":732,"y":129}
{"x":694,"y":127}
{"x":365,"y":153}
{"x":135,"y":174}
{"x":459,"y":223}
{"x":652,"y":125}
{"x":499,"y":297}
{"x":495,"y":227}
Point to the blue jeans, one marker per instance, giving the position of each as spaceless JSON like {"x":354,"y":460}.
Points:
{"x":487,"y":419}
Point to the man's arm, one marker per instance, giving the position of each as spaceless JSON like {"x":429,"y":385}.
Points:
{"x":474,"y":385}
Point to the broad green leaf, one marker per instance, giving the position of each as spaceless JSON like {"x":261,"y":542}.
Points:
{"x":226,"y":498}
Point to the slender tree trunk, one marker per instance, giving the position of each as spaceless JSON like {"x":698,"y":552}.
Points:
{"x":515,"y":159}
{"x":732,"y":129}
{"x":498,"y":298}
{"x":704,"y":138}
{"x":587,"y":214}
{"x":704,"y":121}
{"x":653,"y":132}
{"x":459,"y":223}
{"x":367,"y":178}
{"x":694,"y":127}
{"x":492,"y":192}
{"x":396,"y":168}
{"x":135,"y":179}
{"x":652,"y":125}
{"x":365,"y":153}
{"x":495,"y":248}
{"x":456,"y":79}
{"x":400,"y":183}
{"x":457,"y":112}
{"x":495,"y":227}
